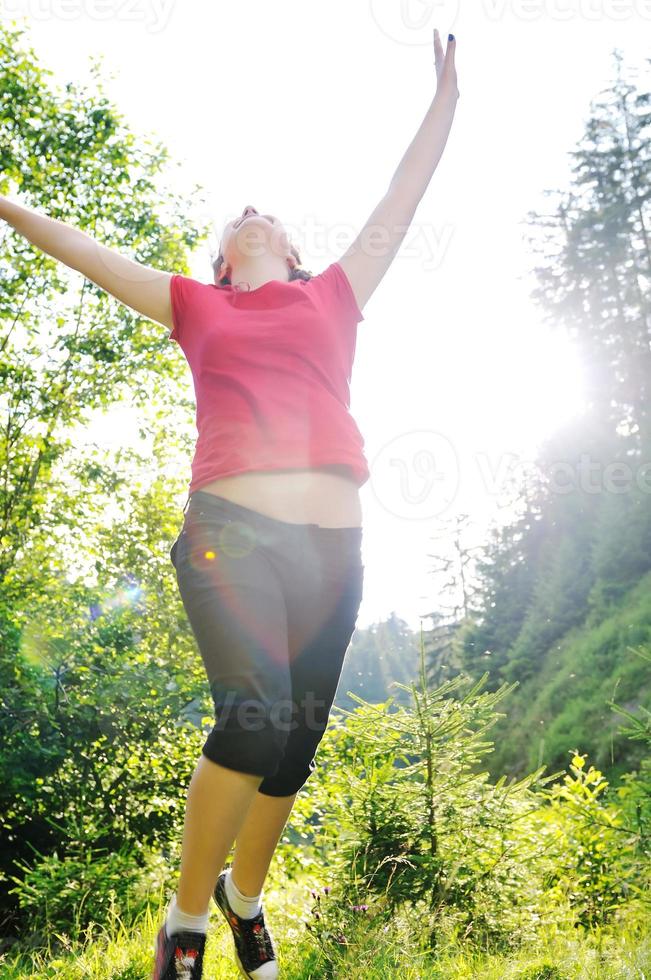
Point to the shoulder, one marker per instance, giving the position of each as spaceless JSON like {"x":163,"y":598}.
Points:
{"x":335,"y":290}
{"x":188,"y":298}
{"x":187,"y":286}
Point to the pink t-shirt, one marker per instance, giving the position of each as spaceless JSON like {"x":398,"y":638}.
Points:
{"x":271,"y":370}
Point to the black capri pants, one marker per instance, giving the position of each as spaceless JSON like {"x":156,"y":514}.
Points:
{"x":272,"y":606}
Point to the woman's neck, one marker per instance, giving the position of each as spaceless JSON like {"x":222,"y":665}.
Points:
{"x":247,"y":276}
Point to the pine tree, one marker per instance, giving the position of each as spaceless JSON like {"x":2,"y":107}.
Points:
{"x":595,"y":275}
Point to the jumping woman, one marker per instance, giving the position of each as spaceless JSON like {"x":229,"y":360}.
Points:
{"x":268,"y":560}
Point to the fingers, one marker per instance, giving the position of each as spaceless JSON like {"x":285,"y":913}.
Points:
{"x":438,"y":47}
{"x":440,"y":57}
{"x":451,"y":48}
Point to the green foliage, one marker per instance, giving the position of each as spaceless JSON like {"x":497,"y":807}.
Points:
{"x":634,"y":792}
{"x":104,"y":703}
{"x":557,"y":603}
{"x":413,"y":821}
{"x":430,"y":868}
{"x":544,"y":971}
{"x":67,"y":347}
{"x":67,"y":893}
{"x":124,"y":952}
{"x":596,"y":867}
{"x":335,"y":922}
{"x":96,"y":674}
{"x":566,"y":702}
{"x":506,"y":572}
{"x":621,"y":547}
{"x":414,"y":824}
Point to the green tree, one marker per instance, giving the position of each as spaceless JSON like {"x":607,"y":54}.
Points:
{"x":416,"y":821}
{"x":506,"y":573}
{"x":595,"y":270}
{"x":68,"y":348}
{"x":94,"y":743}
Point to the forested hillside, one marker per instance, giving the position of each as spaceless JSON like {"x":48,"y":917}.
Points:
{"x":561,"y":594}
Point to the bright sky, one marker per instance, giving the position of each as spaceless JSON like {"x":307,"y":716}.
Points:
{"x":305,"y":110}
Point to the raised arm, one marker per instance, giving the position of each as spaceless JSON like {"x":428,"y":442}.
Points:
{"x":145,"y":290}
{"x":374,"y":249}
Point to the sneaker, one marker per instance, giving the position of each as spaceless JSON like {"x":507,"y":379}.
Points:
{"x":254,"y":949}
{"x":180,"y":956}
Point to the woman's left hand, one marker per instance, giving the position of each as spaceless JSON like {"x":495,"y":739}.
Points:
{"x":446,"y":71}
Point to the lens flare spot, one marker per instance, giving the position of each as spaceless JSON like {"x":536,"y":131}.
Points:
{"x":238,"y":539}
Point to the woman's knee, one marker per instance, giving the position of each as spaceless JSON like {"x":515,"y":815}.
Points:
{"x":297,"y":764}
{"x":250,"y":733}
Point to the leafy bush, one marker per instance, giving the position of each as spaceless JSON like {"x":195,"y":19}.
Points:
{"x":66,"y":893}
{"x":595,"y":866}
{"x":99,"y":768}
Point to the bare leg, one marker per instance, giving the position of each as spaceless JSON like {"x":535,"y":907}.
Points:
{"x":217,"y":803}
{"x":257,"y":839}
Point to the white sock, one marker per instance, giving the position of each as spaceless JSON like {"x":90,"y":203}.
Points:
{"x":177,"y":920}
{"x":243,"y":905}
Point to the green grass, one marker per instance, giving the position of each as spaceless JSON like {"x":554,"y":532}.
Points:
{"x":375,"y":951}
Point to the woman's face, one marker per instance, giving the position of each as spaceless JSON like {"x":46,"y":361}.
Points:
{"x":252,"y":235}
